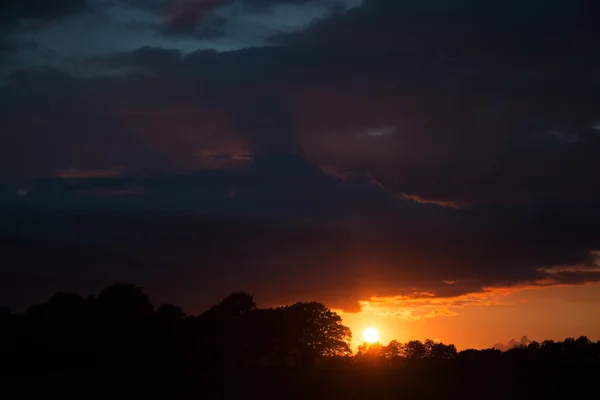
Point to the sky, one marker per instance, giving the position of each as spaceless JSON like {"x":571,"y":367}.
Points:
{"x":425,"y":167}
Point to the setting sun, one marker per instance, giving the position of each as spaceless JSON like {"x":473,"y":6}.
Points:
{"x":371,"y":335}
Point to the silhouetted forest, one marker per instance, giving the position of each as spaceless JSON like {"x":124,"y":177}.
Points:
{"x":304,"y":344}
{"x":121,"y":329}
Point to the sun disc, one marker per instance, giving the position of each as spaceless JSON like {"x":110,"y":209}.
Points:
{"x":371,"y":335}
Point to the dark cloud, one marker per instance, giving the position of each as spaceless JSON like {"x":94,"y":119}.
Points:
{"x":149,"y":60}
{"x":205,"y":19}
{"x":470,"y":84}
{"x":460,"y":138}
{"x":53,"y":122}
{"x":262,"y":5}
{"x":184,"y":16}
{"x":266,"y":119}
{"x":7,"y":47}
{"x":209,"y":28}
{"x":471,"y":103}
{"x":314,"y":235}
{"x":14,"y":12}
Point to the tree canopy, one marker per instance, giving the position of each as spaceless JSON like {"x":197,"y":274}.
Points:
{"x":121,"y":329}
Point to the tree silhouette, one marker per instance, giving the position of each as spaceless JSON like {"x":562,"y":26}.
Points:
{"x":125,"y":302}
{"x":122,"y":327}
{"x":168,"y":332}
{"x":439,"y":351}
{"x":4,"y":311}
{"x":62,"y":307}
{"x":393,"y":350}
{"x":225,"y":332}
{"x":363,"y":349}
{"x":371,"y":354}
{"x":119,"y":329}
{"x":479,"y":357}
{"x":316,"y":331}
{"x":273,"y":338}
{"x":233,"y":306}
{"x":372,"y":350}
{"x":169,"y":314}
{"x":393,"y":353}
{"x":63,"y":319}
{"x":414,"y":350}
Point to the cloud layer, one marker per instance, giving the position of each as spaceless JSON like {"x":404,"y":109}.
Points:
{"x":458,"y":140}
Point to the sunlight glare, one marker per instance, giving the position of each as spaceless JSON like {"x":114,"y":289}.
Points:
{"x":371,"y":335}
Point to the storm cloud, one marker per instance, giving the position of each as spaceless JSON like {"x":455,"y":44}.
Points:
{"x":477,"y":123}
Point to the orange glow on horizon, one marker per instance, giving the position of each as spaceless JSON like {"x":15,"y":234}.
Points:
{"x":481,"y":320}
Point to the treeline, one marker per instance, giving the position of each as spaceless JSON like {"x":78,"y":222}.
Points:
{"x":120,"y":329}
{"x":568,"y":353}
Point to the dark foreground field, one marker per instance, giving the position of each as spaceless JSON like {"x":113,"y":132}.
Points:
{"x":520,"y":383}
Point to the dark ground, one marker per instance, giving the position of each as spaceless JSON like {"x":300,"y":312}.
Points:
{"x":519,"y":383}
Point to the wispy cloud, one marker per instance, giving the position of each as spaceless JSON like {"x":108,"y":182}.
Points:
{"x":377,"y":132}
{"x":441,"y":312}
{"x":76,"y":173}
{"x":421,"y":200}
{"x":565,"y":137}
{"x":422,"y":305}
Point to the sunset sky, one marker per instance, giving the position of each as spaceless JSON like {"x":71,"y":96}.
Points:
{"x":425,"y":167}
